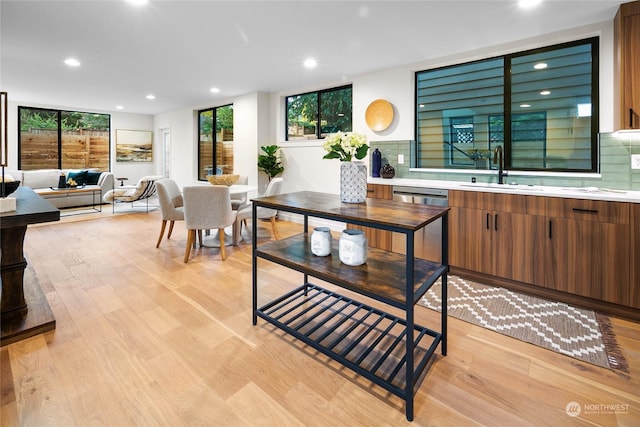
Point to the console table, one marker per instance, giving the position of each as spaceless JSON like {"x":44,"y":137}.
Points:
{"x":392,"y":351}
{"x":24,"y":309}
{"x":94,"y":190}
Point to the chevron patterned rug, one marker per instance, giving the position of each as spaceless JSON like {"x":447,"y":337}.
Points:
{"x":575,"y":332}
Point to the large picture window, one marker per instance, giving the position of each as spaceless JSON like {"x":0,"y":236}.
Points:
{"x":315,"y":115}
{"x":56,"y":139}
{"x":541,"y":106}
{"x":215,"y":141}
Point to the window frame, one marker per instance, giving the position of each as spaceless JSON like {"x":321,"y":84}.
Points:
{"x":59,"y":113}
{"x":507,"y":102}
{"x":214,"y":118}
{"x":318,"y":118}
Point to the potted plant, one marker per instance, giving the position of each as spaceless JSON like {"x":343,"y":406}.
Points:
{"x":269,"y":162}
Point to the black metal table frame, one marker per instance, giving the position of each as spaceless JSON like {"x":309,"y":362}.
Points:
{"x":267,"y":311}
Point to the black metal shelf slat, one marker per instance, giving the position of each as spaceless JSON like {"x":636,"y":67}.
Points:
{"x":343,"y":357}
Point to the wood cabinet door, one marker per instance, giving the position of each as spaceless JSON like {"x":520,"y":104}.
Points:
{"x":517,"y":246}
{"x":376,"y":238}
{"x":589,"y":258}
{"x":471,"y":238}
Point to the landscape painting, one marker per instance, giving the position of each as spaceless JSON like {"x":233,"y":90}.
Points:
{"x":134,"y":145}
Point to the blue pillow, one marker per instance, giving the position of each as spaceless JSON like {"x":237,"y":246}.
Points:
{"x":93,"y":177}
{"x":79,"y":177}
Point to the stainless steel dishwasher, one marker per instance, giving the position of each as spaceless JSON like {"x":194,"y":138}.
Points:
{"x":428,"y":241}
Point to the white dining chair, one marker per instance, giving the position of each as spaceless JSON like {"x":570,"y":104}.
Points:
{"x":171,"y":205}
{"x":207,"y":208}
{"x":239,"y":200}
{"x":274,"y":188}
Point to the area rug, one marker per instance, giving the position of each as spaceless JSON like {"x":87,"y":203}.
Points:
{"x":575,"y":332}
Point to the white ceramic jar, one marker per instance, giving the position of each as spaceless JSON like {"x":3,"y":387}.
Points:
{"x":353,"y":247}
{"x":321,"y":241}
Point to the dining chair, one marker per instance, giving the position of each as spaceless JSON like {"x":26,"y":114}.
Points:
{"x":207,"y":207}
{"x":239,"y":200}
{"x":171,"y":205}
{"x":244,"y":213}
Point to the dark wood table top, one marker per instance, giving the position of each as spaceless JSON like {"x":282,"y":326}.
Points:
{"x":30,"y":209}
{"x":386,"y":214}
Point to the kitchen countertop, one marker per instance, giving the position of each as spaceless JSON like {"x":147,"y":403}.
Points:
{"x":591,"y":193}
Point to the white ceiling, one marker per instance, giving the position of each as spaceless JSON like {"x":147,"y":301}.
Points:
{"x":178,"y":50}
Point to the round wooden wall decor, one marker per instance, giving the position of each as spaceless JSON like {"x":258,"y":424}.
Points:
{"x":379,"y":115}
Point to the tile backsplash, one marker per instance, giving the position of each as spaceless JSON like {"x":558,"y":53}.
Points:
{"x":615,"y":166}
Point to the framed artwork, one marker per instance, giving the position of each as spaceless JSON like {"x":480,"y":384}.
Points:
{"x":134,"y":145}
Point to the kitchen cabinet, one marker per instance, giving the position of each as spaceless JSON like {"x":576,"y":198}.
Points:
{"x":388,"y":349}
{"x":588,"y":249}
{"x":634,"y":244}
{"x":377,"y":238}
{"x":496,"y":234}
{"x":627,"y":66}
{"x":581,"y":247}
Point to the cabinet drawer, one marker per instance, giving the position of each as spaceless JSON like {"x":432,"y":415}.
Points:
{"x":588,"y":210}
{"x":498,"y":202}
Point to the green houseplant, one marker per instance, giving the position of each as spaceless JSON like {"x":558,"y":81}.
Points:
{"x":269,"y":162}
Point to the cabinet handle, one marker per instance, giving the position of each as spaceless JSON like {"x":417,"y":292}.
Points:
{"x":591,"y":211}
{"x":630,"y":118}
{"x":495,"y":223}
{"x":550,"y":230}
{"x":488,"y":228}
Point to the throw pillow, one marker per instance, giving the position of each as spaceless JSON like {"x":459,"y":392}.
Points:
{"x":93,"y":177}
{"x":79,"y":177}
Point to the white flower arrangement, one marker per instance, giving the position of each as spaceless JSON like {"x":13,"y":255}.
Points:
{"x":345,"y":146}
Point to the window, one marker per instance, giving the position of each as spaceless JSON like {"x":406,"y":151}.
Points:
{"x":215,"y":143}
{"x":540,"y":105}
{"x":56,"y":139}
{"x":314,"y":115}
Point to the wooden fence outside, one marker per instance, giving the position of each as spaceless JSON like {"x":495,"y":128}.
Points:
{"x":80,"y":149}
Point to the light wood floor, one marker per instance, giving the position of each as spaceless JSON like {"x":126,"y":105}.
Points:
{"x":144,"y":339}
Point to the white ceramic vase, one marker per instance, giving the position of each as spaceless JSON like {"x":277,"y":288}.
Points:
{"x":353,"y":182}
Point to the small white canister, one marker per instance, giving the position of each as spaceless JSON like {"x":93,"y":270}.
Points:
{"x":321,"y":241}
{"x":353,"y":247}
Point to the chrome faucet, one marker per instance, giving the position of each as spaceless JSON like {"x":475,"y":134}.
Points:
{"x":498,"y":159}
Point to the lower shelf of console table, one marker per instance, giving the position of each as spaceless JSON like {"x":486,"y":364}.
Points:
{"x":363,"y":338}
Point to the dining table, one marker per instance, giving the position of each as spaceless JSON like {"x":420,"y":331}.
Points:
{"x":211,"y":240}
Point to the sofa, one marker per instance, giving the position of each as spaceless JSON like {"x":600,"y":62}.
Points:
{"x":41,"y":180}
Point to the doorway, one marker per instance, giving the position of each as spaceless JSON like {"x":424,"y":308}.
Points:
{"x":166,"y":150}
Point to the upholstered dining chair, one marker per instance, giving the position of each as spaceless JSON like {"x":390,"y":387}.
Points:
{"x":244,"y":213}
{"x":207,"y":207}
{"x":239,"y":200}
{"x":171,"y":205}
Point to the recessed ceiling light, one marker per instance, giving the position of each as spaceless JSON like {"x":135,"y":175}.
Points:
{"x":138,"y":2}
{"x":119,"y":107}
{"x":310,"y":63}
{"x":525,"y":105}
{"x":72,"y":62}
{"x":527,"y":4}
{"x":150,"y":96}
{"x":540,"y":66}
{"x":545,"y":92}
{"x":214,"y":90}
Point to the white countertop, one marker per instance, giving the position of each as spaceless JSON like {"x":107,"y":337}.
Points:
{"x":591,"y":193}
